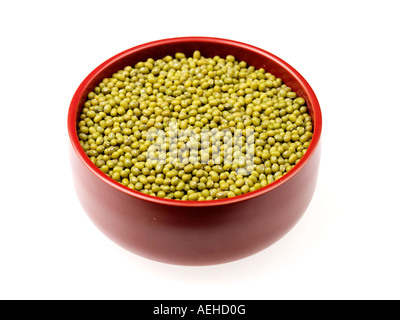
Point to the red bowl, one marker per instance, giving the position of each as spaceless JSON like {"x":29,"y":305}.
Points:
{"x":195,"y":232}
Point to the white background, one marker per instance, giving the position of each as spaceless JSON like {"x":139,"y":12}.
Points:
{"x":347,"y":244}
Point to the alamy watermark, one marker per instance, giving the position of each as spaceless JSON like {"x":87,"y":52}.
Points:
{"x":206,"y":146}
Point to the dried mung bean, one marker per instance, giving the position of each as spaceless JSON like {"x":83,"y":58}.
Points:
{"x":168,"y":127}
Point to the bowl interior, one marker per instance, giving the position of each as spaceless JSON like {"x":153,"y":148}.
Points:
{"x":208,"y":47}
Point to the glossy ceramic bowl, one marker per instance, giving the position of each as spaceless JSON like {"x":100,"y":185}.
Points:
{"x":195,"y":232}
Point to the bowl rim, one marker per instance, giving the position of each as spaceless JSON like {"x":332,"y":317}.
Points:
{"x":73,"y":136}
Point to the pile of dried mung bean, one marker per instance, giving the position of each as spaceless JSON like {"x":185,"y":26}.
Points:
{"x":194,"y":128}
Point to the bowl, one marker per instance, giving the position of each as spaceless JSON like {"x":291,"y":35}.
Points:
{"x":195,"y":232}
